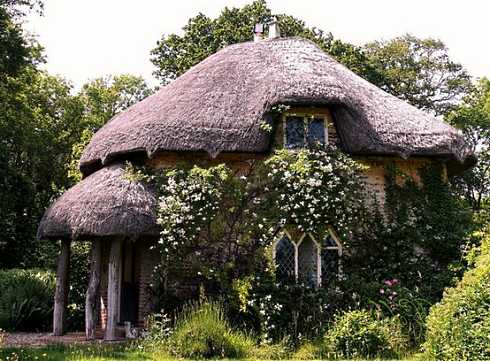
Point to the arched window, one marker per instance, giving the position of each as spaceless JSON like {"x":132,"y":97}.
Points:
{"x":331,"y":251}
{"x":306,"y":259}
{"x":285,"y":254}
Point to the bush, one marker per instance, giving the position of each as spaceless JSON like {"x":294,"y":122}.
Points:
{"x":458,"y":328}
{"x":407,"y":305}
{"x":26,"y":299}
{"x":360,"y":334}
{"x":202,"y":331}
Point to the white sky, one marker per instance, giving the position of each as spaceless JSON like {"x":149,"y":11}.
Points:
{"x":90,"y":38}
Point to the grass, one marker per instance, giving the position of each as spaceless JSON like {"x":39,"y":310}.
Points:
{"x":98,"y":353}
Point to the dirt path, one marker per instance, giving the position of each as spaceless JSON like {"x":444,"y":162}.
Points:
{"x":19,"y":339}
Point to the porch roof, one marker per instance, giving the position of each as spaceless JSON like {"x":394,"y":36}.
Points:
{"x":106,"y":203}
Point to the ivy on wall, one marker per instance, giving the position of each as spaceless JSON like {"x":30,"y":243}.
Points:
{"x":218,"y":225}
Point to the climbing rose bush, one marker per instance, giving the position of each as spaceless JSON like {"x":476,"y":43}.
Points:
{"x":307,"y":189}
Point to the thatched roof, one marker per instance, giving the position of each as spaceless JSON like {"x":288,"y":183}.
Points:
{"x":219,"y":104}
{"x":105,"y":203}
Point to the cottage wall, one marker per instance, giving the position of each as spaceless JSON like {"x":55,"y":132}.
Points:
{"x":374,"y":178}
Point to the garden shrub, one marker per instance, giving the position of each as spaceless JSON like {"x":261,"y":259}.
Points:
{"x":458,"y":327}
{"x":359,"y":334}
{"x":79,"y":276}
{"x":202,"y":331}
{"x":26,"y":299}
{"x":411,"y":308}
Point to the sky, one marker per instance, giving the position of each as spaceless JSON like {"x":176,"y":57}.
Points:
{"x":87,"y":39}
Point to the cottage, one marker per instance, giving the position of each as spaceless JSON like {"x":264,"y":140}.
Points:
{"x":213,"y":114}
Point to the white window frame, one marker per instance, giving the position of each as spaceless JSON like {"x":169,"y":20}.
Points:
{"x":297,"y":243}
{"x":305,"y":116}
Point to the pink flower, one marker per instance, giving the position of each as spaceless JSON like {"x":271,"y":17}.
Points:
{"x":382,"y":291}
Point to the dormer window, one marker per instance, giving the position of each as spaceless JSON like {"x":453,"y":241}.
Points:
{"x":304,"y":130}
{"x":307,"y":259}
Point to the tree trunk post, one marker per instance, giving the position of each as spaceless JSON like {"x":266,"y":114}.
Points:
{"x":92,"y":300}
{"x":113,"y":288}
{"x":62,"y":286}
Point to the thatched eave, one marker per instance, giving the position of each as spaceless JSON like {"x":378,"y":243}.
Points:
{"x":105,"y":204}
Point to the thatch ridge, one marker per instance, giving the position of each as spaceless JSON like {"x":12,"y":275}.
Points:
{"x":106,"y":203}
{"x":219,"y":104}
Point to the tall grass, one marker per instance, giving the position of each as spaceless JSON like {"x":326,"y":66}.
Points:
{"x":203,"y":331}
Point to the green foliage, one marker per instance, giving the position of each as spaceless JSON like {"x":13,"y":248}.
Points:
{"x":420,"y":237}
{"x":17,"y":51}
{"x":79,"y":277}
{"x":307,"y":351}
{"x":472,"y":116}
{"x":221,"y":225}
{"x":409,"y":306}
{"x":38,"y":125}
{"x":102,"y":99}
{"x":202,"y":331}
{"x":158,"y":329}
{"x":280,"y":350}
{"x":459,"y":326}
{"x":419,"y":71}
{"x":26,"y":299}
{"x":360,"y":334}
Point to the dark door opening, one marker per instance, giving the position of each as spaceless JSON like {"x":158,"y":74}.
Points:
{"x":129,"y":286}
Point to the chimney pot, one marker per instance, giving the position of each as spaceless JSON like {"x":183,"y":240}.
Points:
{"x":274,"y":31}
{"x":258,"y":31}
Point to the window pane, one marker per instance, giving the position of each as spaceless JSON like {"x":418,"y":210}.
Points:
{"x":328,"y":241}
{"x":330,"y":265}
{"x":295,"y":132}
{"x":308,"y":262}
{"x":284,"y":259}
{"x":316,"y":131}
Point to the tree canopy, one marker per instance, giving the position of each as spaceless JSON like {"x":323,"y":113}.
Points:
{"x":419,"y":71}
{"x":472,"y":116}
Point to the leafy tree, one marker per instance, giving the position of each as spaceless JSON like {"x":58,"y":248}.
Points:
{"x":473,"y":117}
{"x":203,"y":36}
{"x":38,"y":123}
{"x":16,"y":50}
{"x":102,"y":99}
{"x":419,"y":71}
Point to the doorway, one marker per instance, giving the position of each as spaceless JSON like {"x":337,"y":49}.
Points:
{"x":129,"y":285}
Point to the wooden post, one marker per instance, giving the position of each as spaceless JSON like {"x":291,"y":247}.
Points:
{"x":92,"y":300}
{"x":62,"y":286}
{"x":113,"y":288}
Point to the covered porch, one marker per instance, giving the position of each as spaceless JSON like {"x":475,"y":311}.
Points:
{"x":117,"y":216}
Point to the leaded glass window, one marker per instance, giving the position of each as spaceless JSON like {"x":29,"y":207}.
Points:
{"x":307,"y":259}
{"x":330,"y":259}
{"x":304,"y":130}
{"x":316,"y":131}
{"x":285,"y":258}
{"x":295,"y":132}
